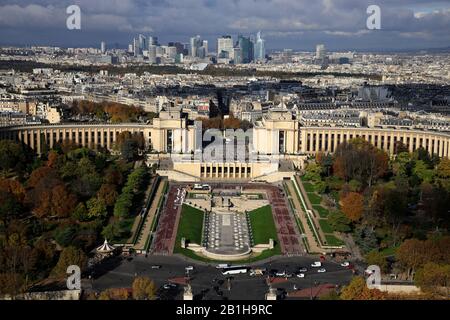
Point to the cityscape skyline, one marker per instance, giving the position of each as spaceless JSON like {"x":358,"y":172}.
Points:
{"x":296,"y":25}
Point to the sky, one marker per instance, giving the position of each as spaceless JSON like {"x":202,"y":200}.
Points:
{"x":294,"y":24}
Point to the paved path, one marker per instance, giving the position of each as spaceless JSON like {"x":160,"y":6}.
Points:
{"x":312,"y":243}
{"x":147,"y":226}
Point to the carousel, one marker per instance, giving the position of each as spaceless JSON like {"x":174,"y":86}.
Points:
{"x":105,"y":249}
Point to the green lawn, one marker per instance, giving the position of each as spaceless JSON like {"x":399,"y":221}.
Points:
{"x":314,"y":198}
{"x":309,"y":187}
{"x":190,"y":227}
{"x":326,"y":228}
{"x":323,"y":213}
{"x":263,"y":228}
{"x":332,"y":240}
{"x":262,"y":225}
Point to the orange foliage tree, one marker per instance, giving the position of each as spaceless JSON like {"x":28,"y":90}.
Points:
{"x":353,"y":205}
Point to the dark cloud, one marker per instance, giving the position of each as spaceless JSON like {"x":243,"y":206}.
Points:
{"x":298,"y":24}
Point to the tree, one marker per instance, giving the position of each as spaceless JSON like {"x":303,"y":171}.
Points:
{"x":365,"y":238}
{"x":432,"y":276}
{"x":421,"y":170}
{"x":96,"y":208}
{"x":143,"y":289}
{"x":353,"y":205}
{"x":108,"y":194}
{"x":339,"y":221}
{"x":357,"y":290}
{"x":111,"y":231}
{"x":114,"y":294}
{"x":80,"y":213}
{"x":12,"y":155}
{"x":313,"y":172}
{"x":443,"y":169}
{"x":360,"y":160}
{"x":375,"y":257}
{"x":70,"y":256}
{"x":129,"y":150}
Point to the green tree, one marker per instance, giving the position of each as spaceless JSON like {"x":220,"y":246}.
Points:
{"x":111,"y":231}
{"x":96,"y":208}
{"x":422,"y":171}
{"x":375,"y":257}
{"x":339,"y":221}
{"x":12,"y":155}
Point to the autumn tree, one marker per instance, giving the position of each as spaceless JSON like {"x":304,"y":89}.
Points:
{"x":353,"y":205}
{"x":357,"y":290}
{"x":114,"y":294}
{"x":143,"y":289}
{"x":108,"y":194}
{"x":70,"y":256}
{"x":432,"y":276}
{"x":360,"y":160}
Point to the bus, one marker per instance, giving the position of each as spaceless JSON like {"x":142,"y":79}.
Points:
{"x":198,"y":186}
{"x":234,"y":270}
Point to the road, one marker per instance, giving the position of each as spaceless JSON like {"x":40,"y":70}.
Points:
{"x":205,"y":276}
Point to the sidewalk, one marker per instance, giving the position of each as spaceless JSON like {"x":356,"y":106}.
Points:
{"x":146,"y":228}
{"x":312,"y":243}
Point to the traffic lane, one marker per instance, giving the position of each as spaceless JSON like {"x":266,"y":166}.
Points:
{"x":203,"y":275}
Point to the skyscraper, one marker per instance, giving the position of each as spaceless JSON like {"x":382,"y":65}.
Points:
{"x":103,"y":47}
{"x":152,"y":53}
{"x":152,"y":41}
{"x":225,"y":47}
{"x":195,"y":43}
{"x":246,"y":46}
{"x":320,"y":52}
{"x":205,"y":46}
{"x":135,"y":47}
{"x":260,"y":50}
{"x":142,"y":43}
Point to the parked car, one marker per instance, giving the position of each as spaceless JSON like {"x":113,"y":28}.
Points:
{"x":322,"y":270}
{"x":316,"y":264}
{"x":256,"y":272}
{"x":300,"y":275}
{"x":302,"y":269}
{"x":345,"y":264}
{"x":156,"y":267}
{"x":189,"y":268}
{"x":169,"y":286}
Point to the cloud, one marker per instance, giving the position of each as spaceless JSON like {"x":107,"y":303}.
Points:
{"x":336,"y":22}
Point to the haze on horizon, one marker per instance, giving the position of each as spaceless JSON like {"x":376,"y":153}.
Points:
{"x":295,"y":24}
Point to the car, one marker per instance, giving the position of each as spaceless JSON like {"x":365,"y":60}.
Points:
{"x":300,"y":275}
{"x":256,"y":272}
{"x":302,"y":269}
{"x":281,"y":274}
{"x":169,"y":286}
{"x":222,"y":266}
{"x":322,"y":270}
{"x":345,"y":264}
{"x":316,"y":264}
{"x":189,"y":268}
{"x":156,"y":267}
